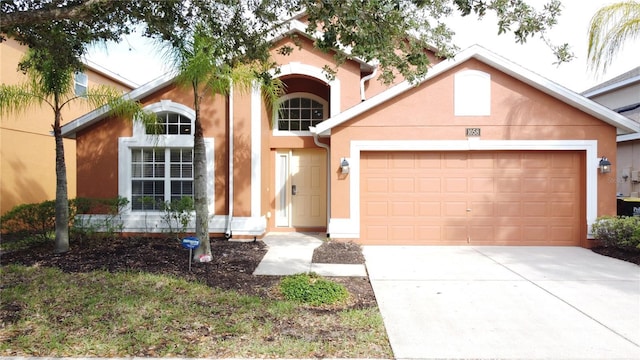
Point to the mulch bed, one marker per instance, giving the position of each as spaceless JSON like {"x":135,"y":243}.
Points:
{"x":231,"y":268}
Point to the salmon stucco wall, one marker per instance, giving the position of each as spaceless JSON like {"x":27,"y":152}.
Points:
{"x":518,"y":112}
{"x":305,"y":55}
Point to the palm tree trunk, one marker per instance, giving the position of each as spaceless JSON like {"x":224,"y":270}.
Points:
{"x":200,"y":187}
{"x":62,"y":200}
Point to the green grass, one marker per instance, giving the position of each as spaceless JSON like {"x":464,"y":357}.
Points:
{"x":103,"y":314}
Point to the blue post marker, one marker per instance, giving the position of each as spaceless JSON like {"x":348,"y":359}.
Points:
{"x":190,"y":243}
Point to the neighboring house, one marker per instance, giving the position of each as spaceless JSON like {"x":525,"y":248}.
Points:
{"x":480,"y":152}
{"x":27,"y":147}
{"x":622,"y":95}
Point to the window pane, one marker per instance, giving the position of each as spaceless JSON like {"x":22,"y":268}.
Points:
{"x":172,"y":118}
{"x":305,"y":114}
{"x":159,"y":170}
{"x":305,"y":103}
{"x":187,"y":187}
{"x":305,"y":125}
{"x":294,"y":125}
{"x":187,"y":155}
{"x":175,"y":156}
{"x":136,"y":155}
{"x":295,"y":114}
{"x":185,"y":129}
{"x":173,"y":130}
{"x":294,"y":103}
{"x":175,"y":170}
{"x":147,"y":170}
{"x":136,"y":170}
{"x":283,"y":125}
{"x":159,"y":155}
{"x":187,"y":171}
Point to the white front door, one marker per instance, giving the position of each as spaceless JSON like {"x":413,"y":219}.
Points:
{"x":301,"y":180}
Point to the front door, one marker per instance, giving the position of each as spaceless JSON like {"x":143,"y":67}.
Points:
{"x":301,"y":177}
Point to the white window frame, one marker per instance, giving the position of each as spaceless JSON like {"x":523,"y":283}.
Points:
{"x":141,"y":140}
{"x":313,"y":97}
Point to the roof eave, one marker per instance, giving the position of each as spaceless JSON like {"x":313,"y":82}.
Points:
{"x":70,"y":129}
{"x":622,"y":123}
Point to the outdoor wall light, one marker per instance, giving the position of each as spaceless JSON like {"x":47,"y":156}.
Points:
{"x":344,"y":166}
{"x":604,"y":165}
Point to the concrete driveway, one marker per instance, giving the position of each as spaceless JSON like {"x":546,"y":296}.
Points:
{"x":506,"y":302}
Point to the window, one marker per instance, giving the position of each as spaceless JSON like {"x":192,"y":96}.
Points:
{"x":170,"y":124}
{"x":160,"y":175}
{"x":155,"y":167}
{"x":81,"y":83}
{"x":301,"y":111}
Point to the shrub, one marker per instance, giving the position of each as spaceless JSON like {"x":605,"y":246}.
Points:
{"x":618,"y":231}
{"x":37,"y":220}
{"x":312,"y":289}
{"x":177,"y":214}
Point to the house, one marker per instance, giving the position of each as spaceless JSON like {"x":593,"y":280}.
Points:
{"x":27,"y":148}
{"x":622,"y":95}
{"x":480,"y":151}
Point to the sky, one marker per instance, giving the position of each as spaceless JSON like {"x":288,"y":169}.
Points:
{"x":137,"y":59}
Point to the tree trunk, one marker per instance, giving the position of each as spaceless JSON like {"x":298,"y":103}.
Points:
{"x":203,"y":252}
{"x":62,"y":200}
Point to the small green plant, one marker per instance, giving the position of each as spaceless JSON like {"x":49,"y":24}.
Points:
{"x":110,"y":211}
{"x":618,"y":231}
{"x":178,"y":214}
{"x":312,"y":289}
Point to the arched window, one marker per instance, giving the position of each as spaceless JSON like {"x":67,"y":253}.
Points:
{"x":170,"y":123}
{"x":299,"y":111}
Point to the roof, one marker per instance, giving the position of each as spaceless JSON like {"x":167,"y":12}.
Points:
{"x":622,"y":80}
{"x":109,"y":74}
{"x":70,"y":129}
{"x":622,"y":123}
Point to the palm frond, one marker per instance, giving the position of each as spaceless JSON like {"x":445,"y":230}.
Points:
{"x":610,"y":28}
{"x":18,"y":99}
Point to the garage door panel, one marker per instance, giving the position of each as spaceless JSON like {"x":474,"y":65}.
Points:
{"x":402,"y":208}
{"x":405,"y":184}
{"x":455,"y":184}
{"x":377,"y":185}
{"x":429,"y":209}
{"x":483,"y":185}
{"x":517,"y":198}
{"x":429,"y":185}
{"x":535,"y":185}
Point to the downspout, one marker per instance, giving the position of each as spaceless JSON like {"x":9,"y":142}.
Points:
{"x":325,"y":146}
{"x":363,"y":97}
{"x":228,"y":233}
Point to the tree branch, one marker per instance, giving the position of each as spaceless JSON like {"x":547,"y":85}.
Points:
{"x":79,"y":11}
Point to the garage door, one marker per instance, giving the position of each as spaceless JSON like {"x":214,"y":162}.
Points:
{"x":475,"y":198}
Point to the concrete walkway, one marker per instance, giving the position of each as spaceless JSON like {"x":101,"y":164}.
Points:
{"x":506,"y":302}
{"x":291,"y":253}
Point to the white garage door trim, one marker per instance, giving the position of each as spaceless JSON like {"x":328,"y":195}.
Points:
{"x":350,"y":227}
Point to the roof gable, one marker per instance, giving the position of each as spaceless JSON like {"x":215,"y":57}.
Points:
{"x":622,"y":123}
